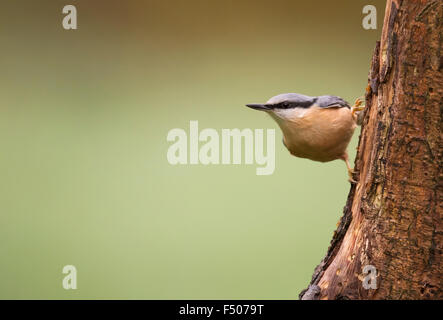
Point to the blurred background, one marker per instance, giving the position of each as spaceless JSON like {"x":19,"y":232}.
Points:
{"x":84,"y":118}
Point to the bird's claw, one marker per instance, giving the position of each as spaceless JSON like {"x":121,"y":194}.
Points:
{"x":357,"y":106}
{"x":358,"y":102}
{"x":351,"y":176}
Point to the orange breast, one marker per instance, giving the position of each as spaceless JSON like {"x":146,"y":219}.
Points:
{"x":320,"y":134}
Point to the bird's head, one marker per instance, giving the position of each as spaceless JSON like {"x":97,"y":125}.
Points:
{"x":285,"y":106}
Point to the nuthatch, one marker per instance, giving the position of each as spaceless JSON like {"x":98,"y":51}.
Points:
{"x":316,"y":128}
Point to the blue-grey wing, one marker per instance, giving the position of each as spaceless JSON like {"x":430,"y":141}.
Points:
{"x":331,"y":102}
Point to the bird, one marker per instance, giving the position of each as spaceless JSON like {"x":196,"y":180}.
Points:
{"x":316,"y":128}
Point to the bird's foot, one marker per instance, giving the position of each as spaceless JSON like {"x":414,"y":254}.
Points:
{"x":351,"y":176}
{"x":357,"y":106}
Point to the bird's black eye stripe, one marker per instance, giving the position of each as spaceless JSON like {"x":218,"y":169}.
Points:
{"x":305,"y":104}
{"x":295,"y":104}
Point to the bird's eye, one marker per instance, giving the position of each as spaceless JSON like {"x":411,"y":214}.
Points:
{"x":285,"y":104}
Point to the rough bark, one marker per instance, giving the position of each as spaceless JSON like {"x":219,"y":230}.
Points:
{"x":393,"y":216}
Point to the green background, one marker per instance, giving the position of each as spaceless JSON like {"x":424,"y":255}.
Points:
{"x":84,"y":119}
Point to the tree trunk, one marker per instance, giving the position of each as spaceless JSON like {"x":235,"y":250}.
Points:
{"x":393,"y":216}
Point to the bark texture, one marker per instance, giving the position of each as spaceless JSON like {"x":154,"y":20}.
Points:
{"x":393,"y":216}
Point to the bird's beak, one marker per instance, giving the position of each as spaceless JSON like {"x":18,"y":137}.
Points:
{"x":258,"y":106}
